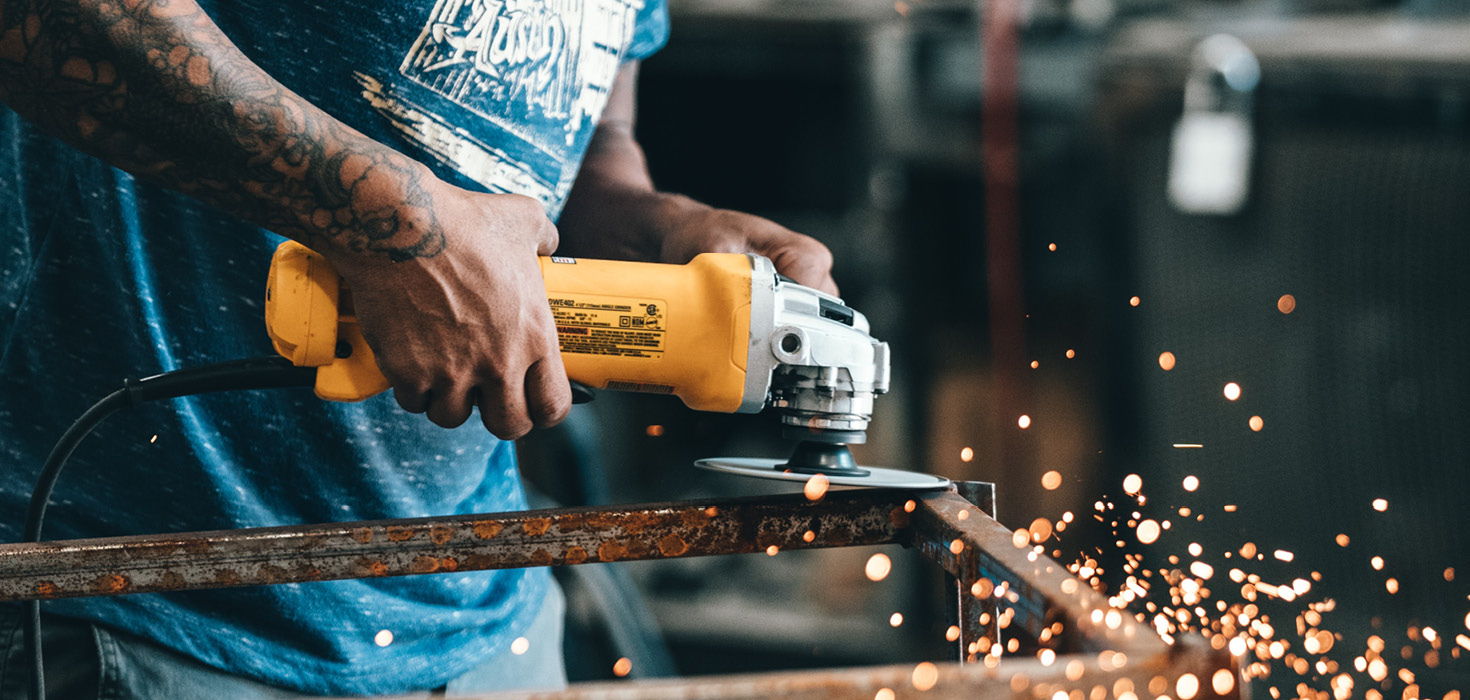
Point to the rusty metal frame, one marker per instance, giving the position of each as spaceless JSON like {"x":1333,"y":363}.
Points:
{"x":998,"y":584}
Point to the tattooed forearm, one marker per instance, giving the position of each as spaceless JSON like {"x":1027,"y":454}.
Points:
{"x":154,"y":87}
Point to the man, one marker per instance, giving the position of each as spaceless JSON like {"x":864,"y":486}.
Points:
{"x":424,"y":147}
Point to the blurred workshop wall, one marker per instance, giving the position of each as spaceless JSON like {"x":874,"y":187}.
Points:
{"x":1315,"y":328}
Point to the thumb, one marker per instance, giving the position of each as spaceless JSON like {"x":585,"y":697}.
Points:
{"x":805,"y":260}
{"x":548,"y":238}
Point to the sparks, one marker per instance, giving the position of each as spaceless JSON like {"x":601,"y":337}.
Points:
{"x":878,"y":567}
{"x":1166,"y":360}
{"x":1148,"y":531}
{"x":925,"y":676}
{"x":816,"y":487}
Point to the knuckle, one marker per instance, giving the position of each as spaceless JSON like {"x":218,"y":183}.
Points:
{"x":411,"y":400}
{"x":816,"y":250}
{"x":448,"y":417}
{"x":507,"y":429}
{"x":554,"y":409}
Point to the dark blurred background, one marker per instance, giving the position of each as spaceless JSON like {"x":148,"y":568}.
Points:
{"x":1285,"y":207}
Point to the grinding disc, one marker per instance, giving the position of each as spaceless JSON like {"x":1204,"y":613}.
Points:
{"x":876,"y":477}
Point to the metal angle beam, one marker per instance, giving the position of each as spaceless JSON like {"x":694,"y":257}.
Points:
{"x":1007,"y":679}
{"x":1001,"y":576}
{"x":369,"y":549}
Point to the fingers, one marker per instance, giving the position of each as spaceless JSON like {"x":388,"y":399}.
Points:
{"x":411,"y":399}
{"x":503,"y":409}
{"x":450,"y":402}
{"x":540,"y":399}
{"x":805,"y":260}
{"x":548,"y":393}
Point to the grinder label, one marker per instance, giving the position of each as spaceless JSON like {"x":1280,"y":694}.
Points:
{"x":615,"y":326}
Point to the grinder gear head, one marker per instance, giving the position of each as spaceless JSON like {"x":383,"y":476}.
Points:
{"x":812,"y":359}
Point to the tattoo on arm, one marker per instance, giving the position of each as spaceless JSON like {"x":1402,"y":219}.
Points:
{"x":155,"y":88}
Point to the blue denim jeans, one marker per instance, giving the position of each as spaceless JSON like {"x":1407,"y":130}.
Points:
{"x":87,"y":661}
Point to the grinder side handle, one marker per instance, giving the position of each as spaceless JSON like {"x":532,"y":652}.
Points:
{"x":308,"y":315}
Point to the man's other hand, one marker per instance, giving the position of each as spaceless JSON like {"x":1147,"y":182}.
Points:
{"x":690,"y":228}
{"x":468,"y":326}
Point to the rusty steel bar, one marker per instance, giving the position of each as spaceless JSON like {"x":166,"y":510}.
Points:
{"x":1002,"y":581}
{"x":1012,"y":678}
{"x":157,"y":563}
{"x":976,"y":616}
{"x":1034,"y":590}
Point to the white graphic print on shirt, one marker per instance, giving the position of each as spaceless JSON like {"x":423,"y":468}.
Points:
{"x":539,"y":70}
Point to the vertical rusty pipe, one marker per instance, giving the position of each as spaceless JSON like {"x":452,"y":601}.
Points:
{"x":1000,"y":161}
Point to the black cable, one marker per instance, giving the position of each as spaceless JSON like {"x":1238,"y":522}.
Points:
{"x":254,"y":373}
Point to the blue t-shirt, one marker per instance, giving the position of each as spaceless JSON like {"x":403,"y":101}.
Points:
{"x":104,"y":277}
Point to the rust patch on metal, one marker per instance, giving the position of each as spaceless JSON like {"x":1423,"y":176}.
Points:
{"x":598,"y":522}
{"x":226,"y":577}
{"x":449,"y":564}
{"x":362,"y":534}
{"x":575,"y":555}
{"x":377,"y":568}
{"x":171,"y":580}
{"x":672,"y":545}
{"x":611,"y":550}
{"x":541,"y":557}
{"x":111,"y":583}
{"x":398,"y":533}
{"x":536,"y":526}
{"x":47,"y":589}
{"x":487,"y":529}
{"x":439,"y":534}
{"x":424,"y":564}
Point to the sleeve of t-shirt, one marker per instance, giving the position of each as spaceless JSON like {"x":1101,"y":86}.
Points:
{"x":650,"y":30}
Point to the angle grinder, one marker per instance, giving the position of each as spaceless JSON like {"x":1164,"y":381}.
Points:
{"x":724,"y":333}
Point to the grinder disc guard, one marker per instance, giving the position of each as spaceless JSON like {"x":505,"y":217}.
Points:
{"x":875,"y":477}
{"x":832,"y":460}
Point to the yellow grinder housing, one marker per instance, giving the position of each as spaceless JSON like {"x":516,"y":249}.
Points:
{"x":626,"y":326}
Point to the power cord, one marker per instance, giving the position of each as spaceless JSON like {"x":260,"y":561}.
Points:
{"x":255,"y":373}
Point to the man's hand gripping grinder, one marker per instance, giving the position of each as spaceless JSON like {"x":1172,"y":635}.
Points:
{"x":724,"y":333}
